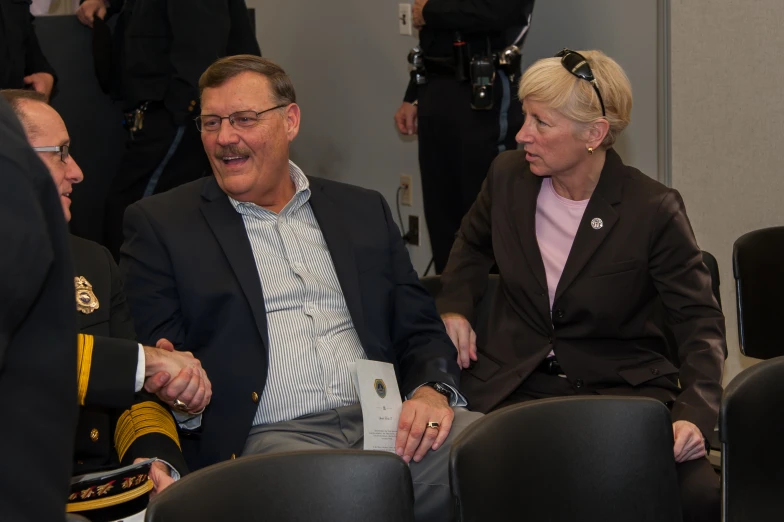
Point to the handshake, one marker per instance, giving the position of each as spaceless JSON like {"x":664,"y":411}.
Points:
{"x":177,"y":378}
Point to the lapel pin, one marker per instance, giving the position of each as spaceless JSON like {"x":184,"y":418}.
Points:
{"x":597,"y":223}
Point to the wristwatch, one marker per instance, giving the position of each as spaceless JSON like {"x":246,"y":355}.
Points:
{"x":440,"y":388}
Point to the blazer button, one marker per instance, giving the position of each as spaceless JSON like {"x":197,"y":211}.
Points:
{"x":254,"y":397}
{"x":94,"y":435}
{"x":559,"y":313}
{"x":549,"y":340}
{"x":233,"y":456}
{"x":578,"y":383}
{"x":655,"y":371}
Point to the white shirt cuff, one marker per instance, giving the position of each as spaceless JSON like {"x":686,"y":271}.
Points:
{"x":140,"y":370}
{"x":187,"y":421}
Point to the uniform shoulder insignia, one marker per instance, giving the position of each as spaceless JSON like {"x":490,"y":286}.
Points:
{"x":86,"y":302}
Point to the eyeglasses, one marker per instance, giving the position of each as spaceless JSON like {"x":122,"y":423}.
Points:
{"x":238,"y":120}
{"x":64,"y":151}
{"x":576,"y":64}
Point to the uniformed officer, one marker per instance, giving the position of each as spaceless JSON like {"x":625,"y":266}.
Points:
{"x":461,"y":102}
{"x":115,"y":425}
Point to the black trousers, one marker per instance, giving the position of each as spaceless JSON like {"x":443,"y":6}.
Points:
{"x":160,"y":156}
{"x":699,"y":482}
{"x":456,"y":146}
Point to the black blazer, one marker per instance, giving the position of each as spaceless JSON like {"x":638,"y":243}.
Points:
{"x":112,"y":375}
{"x":191,"y":277}
{"x":602,"y":329}
{"x":37,"y":335}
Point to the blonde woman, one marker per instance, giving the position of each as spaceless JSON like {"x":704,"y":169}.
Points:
{"x":586,"y":247}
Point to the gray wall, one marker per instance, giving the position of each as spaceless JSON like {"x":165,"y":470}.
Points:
{"x":351,"y":79}
{"x":727,"y":121}
{"x":348,"y":64}
{"x":626,"y":31}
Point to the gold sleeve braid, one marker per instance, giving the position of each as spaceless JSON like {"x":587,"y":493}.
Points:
{"x":142,"y":419}
{"x":84,"y":360}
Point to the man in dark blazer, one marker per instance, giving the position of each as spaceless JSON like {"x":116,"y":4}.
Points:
{"x":116,"y":426}
{"x":277,"y":282}
{"x":37,"y":336}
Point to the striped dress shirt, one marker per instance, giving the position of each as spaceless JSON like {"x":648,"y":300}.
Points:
{"x":311,"y":334}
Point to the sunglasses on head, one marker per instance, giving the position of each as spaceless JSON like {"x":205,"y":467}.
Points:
{"x":576,"y":64}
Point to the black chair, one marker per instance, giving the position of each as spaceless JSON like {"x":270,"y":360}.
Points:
{"x":300,"y":486}
{"x":751,"y":421}
{"x":602,"y":459}
{"x":759,"y":278}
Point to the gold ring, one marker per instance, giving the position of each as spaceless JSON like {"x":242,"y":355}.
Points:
{"x":178,"y":404}
{"x":432,"y":424}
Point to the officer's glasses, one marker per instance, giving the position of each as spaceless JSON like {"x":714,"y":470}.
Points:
{"x":64,"y":151}
{"x":576,"y":64}
{"x":238,"y":120}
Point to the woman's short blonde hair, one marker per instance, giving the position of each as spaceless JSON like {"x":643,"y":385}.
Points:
{"x":547,"y":81}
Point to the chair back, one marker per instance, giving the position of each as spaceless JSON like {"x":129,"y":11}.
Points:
{"x":758,"y":267}
{"x":300,"y":486}
{"x":593,"y":459}
{"x":751,"y":421}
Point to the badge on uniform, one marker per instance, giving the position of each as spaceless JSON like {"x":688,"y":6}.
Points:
{"x":86,"y":302}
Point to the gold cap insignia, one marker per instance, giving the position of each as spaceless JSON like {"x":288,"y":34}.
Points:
{"x":86,"y":302}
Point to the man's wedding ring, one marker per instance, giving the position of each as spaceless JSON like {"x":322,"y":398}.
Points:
{"x":432,"y":424}
{"x":178,"y":404}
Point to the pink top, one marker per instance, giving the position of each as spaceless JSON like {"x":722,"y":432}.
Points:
{"x":557,"y":220}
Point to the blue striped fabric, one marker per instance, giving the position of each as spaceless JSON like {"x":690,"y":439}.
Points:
{"x":311,"y":335}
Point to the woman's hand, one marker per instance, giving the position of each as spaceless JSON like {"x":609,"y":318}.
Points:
{"x":463,"y":337}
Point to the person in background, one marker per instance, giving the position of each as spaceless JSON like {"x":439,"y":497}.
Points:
{"x":22,"y":63}
{"x":164,"y":46}
{"x":587,"y":248}
{"x":460,"y":102}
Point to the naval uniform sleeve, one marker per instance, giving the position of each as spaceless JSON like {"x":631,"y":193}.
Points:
{"x":106,"y":371}
{"x":146,"y":430}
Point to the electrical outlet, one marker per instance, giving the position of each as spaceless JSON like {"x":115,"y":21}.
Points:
{"x":405,"y":194}
{"x":413,"y":230}
{"x":404,"y":19}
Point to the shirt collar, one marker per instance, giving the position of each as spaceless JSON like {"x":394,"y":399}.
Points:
{"x":301,"y":193}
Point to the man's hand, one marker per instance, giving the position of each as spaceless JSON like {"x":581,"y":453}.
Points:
{"x":689,"y":442}
{"x":463,"y":337}
{"x":406,"y":119}
{"x":159,"y":473}
{"x":89,"y":10}
{"x":190,"y":385}
{"x":417,"y":19}
{"x":42,"y":82}
{"x":414,"y":438}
